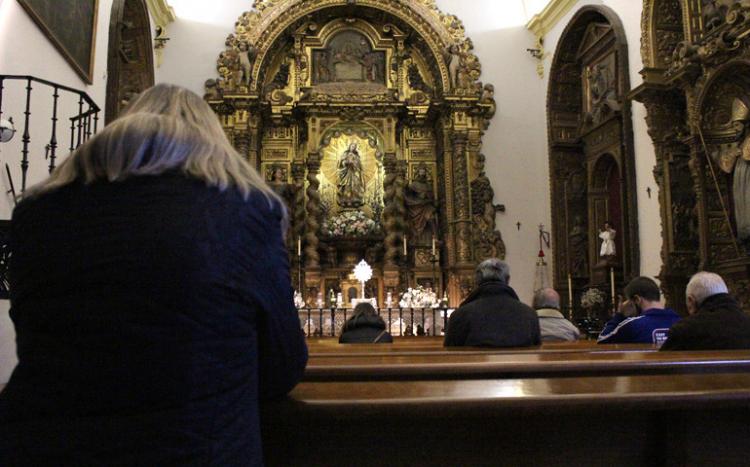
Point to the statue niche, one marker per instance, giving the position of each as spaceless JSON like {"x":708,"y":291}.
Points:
{"x":419,"y":198}
{"x":351,"y":183}
{"x":348,"y":57}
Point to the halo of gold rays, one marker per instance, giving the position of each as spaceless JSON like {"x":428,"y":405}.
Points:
{"x":328,"y":175}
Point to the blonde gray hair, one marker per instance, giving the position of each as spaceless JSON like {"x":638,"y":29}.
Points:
{"x":704,"y":284}
{"x":165,"y":128}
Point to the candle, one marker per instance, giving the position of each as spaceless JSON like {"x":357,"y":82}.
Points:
{"x":299,"y":246}
{"x":404,"y":241}
{"x":433,"y":245}
{"x":570,"y":291}
{"x":612,"y":283}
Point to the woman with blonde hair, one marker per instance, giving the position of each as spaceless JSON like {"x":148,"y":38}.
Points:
{"x":151,"y":296}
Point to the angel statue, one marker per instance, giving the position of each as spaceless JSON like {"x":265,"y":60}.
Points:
{"x":351,"y":184}
{"x":608,"y":240}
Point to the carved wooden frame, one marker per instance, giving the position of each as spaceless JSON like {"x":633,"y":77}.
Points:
{"x":575,"y":150}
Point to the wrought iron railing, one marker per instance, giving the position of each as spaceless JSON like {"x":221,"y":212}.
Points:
{"x":83,"y":124}
{"x":328,"y":322}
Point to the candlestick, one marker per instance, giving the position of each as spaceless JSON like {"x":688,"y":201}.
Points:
{"x":433,"y":245}
{"x":570,"y":291}
{"x":299,"y":246}
{"x":404,"y":241}
{"x":612,"y":284}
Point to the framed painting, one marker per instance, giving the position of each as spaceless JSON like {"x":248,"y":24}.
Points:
{"x":71,"y":27}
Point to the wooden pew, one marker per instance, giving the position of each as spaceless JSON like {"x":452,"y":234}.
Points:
{"x":334,"y":349}
{"x":693,"y":419}
{"x":398,"y":367}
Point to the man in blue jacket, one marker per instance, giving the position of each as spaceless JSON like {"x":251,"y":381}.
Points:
{"x":652,"y":324}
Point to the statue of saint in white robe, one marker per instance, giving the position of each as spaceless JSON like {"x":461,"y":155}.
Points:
{"x":608,"y":242}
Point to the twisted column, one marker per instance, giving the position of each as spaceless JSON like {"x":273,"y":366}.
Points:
{"x":312,"y":224}
{"x":395,"y":210}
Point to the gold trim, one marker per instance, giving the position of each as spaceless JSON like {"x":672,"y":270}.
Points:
{"x":542,"y":23}
{"x":162,"y":14}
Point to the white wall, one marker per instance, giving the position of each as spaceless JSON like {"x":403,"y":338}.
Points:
{"x":649,"y":217}
{"x":26,"y":51}
{"x":516,"y":142}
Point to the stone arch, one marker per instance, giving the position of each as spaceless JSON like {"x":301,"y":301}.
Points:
{"x":591,"y":140}
{"x":130,"y":61}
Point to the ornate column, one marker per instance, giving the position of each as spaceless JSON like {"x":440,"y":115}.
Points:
{"x":461,"y":199}
{"x":297,"y":217}
{"x":312,"y":225}
{"x":393,"y":218}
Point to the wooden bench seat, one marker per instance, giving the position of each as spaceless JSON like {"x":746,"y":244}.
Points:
{"x":486,"y":365}
{"x":347,"y":350}
{"x":689,"y":419}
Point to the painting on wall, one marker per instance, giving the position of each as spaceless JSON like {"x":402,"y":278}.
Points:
{"x":71,"y":27}
{"x":348,"y":57}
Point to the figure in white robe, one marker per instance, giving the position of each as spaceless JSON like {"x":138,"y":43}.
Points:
{"x":608,"y":240}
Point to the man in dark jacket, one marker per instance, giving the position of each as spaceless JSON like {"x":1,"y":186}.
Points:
{"x":716,"y":320}
{"x":492,"y":315}
{"x":653,"y":320}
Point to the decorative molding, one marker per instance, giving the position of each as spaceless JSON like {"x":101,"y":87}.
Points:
{"x":162,"y":14}
{"x":542,"y":23}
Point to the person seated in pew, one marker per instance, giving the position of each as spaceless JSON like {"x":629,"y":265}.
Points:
{"x":365,"y":327}
{"x":652,"y":322}
{"x":716,"y":321}
{"x":552,"y":323}
{"x":151,"y":299}
{"x":492,"y":315}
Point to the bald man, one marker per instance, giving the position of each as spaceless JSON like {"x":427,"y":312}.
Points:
{"x":554,"y":326}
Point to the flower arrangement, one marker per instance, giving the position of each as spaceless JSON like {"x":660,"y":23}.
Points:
{"x":350,"y":224}
{"x":419,"y":297}
{"x":592,"y":298}
{"x":299,"y":302}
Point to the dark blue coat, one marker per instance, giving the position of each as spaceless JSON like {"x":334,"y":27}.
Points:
{"x":151,"y":316}
{"x":650,"y":327}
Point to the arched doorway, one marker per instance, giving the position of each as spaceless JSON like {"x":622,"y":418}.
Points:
{"x":130,"y":61}
{"x":592,"y":163}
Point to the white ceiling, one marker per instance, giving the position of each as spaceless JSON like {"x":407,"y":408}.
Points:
{"x":504,"y":13}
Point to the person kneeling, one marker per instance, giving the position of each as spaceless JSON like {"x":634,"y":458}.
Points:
{"x":365,"y":327}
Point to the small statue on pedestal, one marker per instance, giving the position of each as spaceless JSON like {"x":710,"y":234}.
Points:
{"x":607,"y":235}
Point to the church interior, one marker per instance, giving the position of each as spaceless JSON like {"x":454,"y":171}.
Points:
{"x":584,"y":142}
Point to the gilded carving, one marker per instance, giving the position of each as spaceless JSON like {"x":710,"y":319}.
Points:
{"x":692,"y":104}
{"x":344,"y":97}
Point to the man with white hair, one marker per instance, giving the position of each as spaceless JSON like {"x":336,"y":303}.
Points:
{"x":716,"y":320}
{"x":492,"y":315}
{"x":552,"y":323}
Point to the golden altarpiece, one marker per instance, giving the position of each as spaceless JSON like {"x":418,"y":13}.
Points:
{"x":367,"y":116}
{"x":696,"y":89}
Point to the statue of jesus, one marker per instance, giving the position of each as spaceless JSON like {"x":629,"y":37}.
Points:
{"x":351,"y":185}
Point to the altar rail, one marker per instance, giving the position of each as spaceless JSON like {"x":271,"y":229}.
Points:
{"x":328,"y":322}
